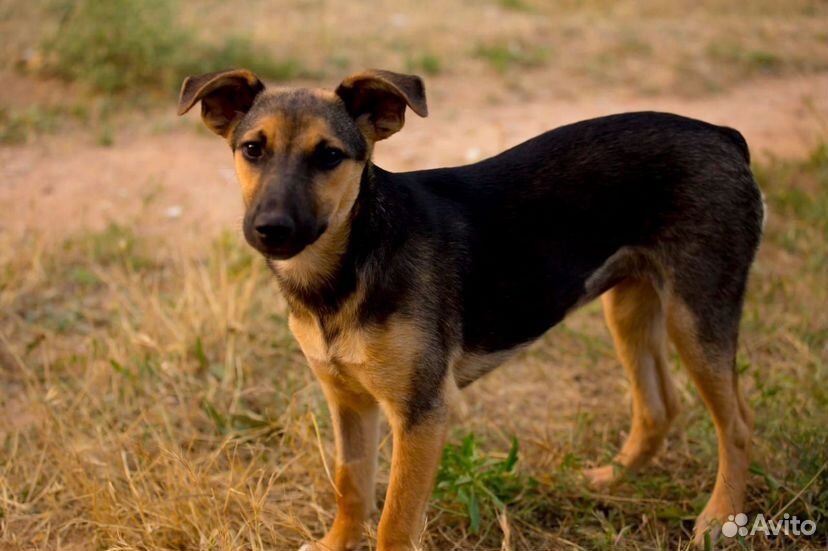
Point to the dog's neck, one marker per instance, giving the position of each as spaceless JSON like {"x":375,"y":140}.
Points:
{"x":320,"y":278}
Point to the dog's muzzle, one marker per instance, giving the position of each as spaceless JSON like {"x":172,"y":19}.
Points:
{"x":277,"y":235}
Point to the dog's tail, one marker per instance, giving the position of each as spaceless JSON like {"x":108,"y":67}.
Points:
{"x":738,"y":140}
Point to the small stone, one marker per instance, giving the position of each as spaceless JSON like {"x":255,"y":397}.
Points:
{"x":174,"y":211}
{"x":473,"y":154}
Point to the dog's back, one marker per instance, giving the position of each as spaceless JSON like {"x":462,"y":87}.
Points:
{"x":559,"y":219}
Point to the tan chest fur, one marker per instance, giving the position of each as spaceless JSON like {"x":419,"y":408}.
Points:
{"x":379,"y":359}
{"x":350,"y":347}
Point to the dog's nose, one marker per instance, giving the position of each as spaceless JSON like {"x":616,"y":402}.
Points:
{"x":274,"y":230}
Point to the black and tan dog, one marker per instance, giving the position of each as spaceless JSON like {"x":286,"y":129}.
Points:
{"x":405,"y":287}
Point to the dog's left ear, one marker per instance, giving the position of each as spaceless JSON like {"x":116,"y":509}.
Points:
{"x":377,"y":99}
{"x":225,"y":97}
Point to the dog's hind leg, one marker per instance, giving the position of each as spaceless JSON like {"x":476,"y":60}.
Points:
{"x":711,"y":362}
{"x":636,"y":319}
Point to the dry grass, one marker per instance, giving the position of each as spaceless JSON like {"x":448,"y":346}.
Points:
{"x":153,"y":399}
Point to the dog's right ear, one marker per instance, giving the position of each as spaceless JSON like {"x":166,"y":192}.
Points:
{"x":377,"y":100}
{"x":225,"y":97}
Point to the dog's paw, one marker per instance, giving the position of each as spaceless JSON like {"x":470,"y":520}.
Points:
{"x":601,"y":477}
{"x":708,"y":523}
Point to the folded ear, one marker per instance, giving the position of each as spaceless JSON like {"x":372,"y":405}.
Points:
{"x":377,"y":100}
{"x":225,"y":97}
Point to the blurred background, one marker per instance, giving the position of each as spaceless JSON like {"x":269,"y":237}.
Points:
{"x":150,"y":394}
{"x":95,"y":82}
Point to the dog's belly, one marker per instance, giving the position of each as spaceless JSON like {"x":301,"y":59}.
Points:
{"x":470,"y":366}
{"x":501,"y":315}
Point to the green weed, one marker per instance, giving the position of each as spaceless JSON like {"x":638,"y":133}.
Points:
{"x":477,"y":486}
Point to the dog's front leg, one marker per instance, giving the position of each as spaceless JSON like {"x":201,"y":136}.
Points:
{"x":355,"y":417}
{"x":414,"y":461}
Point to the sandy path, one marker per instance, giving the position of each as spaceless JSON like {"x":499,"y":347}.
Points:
{"x":181,"y":180}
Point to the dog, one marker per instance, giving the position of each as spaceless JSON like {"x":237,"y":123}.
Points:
{"x":405,"y":287}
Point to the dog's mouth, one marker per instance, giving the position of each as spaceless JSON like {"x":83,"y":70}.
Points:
{"x":280,"y":253}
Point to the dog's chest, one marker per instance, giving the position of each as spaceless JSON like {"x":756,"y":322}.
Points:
{"x":343,"y":347}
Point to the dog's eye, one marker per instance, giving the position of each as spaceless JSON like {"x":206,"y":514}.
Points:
{"x":252,"y":150}
{"x":328,"y":158}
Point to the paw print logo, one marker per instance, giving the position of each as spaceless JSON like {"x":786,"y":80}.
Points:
{"x":736,"y":524}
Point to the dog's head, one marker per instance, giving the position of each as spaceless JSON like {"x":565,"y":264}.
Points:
{"x":300,"y":153}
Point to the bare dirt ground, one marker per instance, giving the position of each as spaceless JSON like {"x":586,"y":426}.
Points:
{"x":180,"y":178}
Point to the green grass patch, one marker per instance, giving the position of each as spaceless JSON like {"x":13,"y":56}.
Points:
{"x":424,"y":63}
{"x":798,"y":190}
{"x":18,"y":125}
{"x":504,"y":56}
{"x":133,"y":46}
{"x":515,"y":5}
{"x":748,"y":60}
